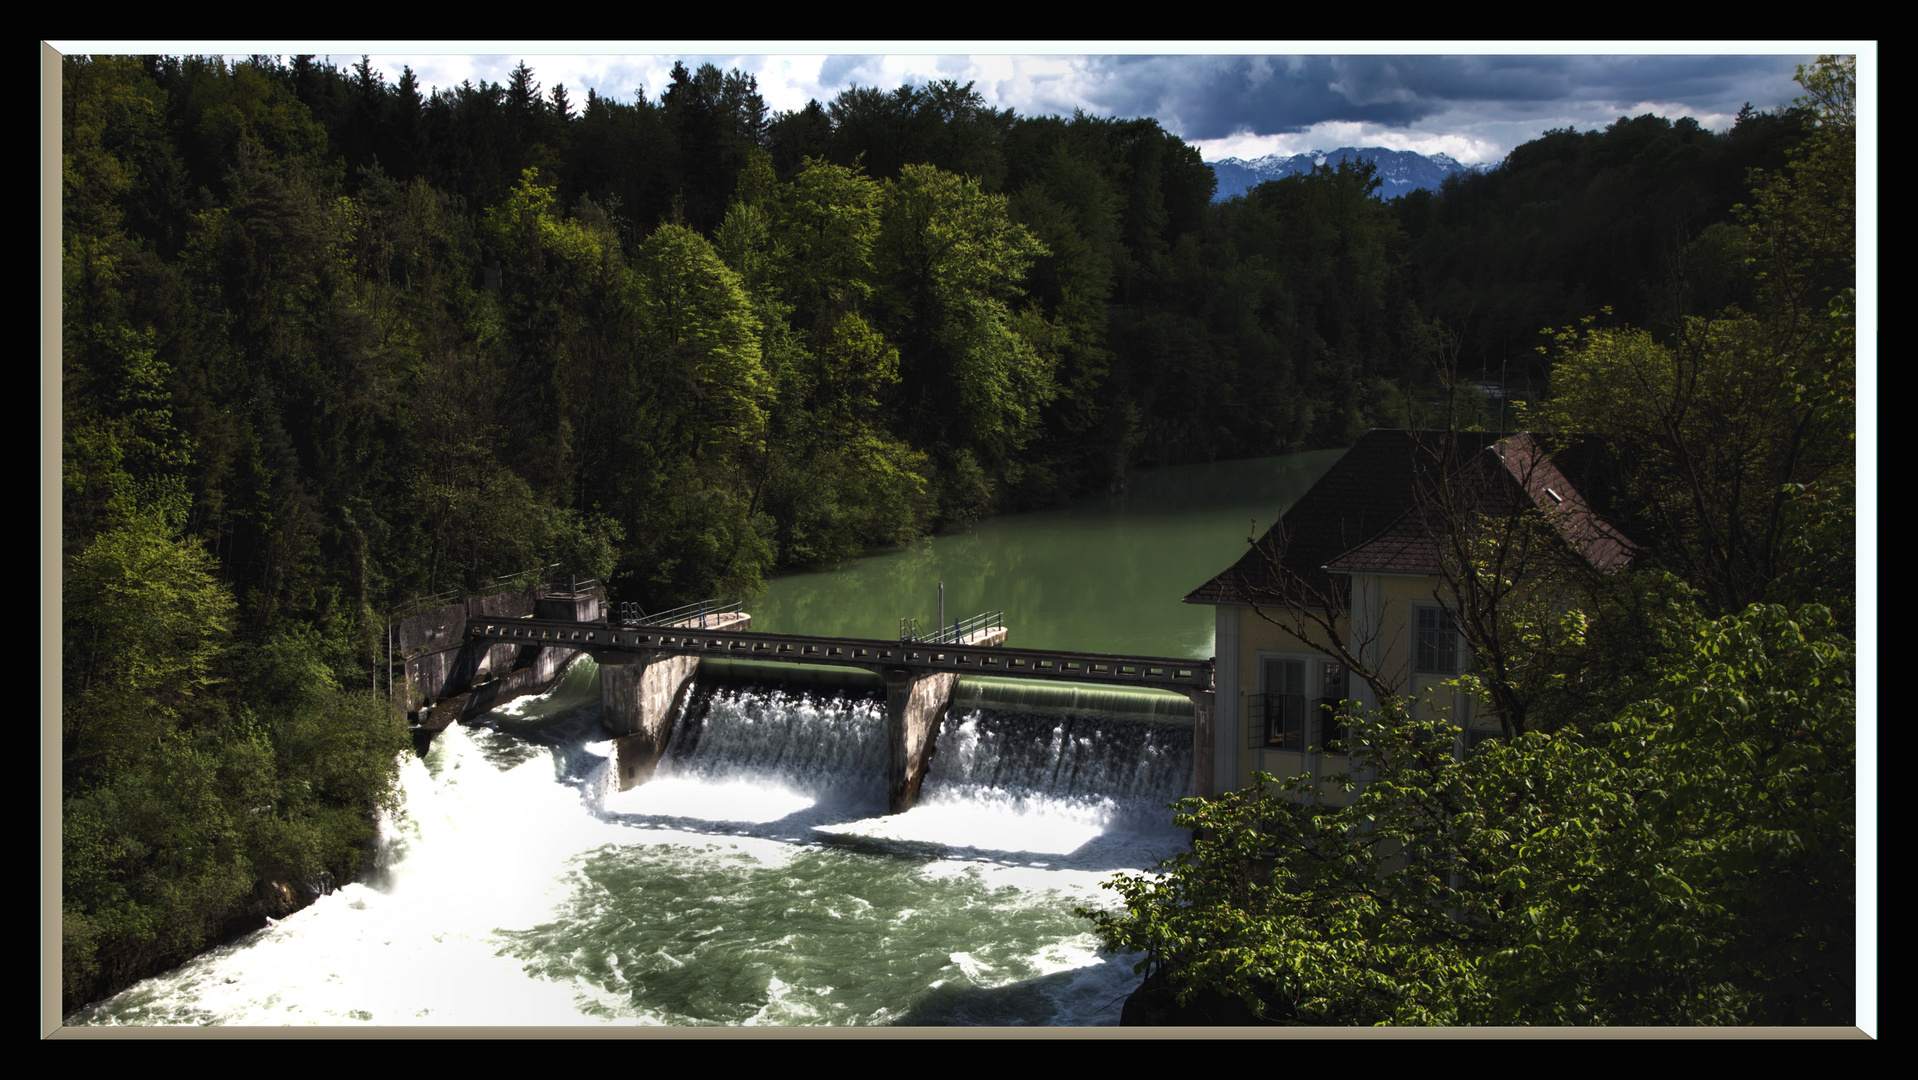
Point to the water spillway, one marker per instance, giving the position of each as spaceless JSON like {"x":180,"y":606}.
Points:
{"x":1070,"y":699}
{"x":1111,"y":773}
{"x":756,"y":880}
{"x":1113,"y":757}
{"x":824,"y":744}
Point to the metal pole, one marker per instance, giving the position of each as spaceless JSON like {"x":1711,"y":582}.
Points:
{"x":1501,"y":394}
{"x":942,"y":606}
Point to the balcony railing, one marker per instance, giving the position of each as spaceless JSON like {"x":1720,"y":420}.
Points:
{"x":1284,"y":722}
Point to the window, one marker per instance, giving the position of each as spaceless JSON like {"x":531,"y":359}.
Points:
{"x":1288,"y":716}
{"x":1331,"y":734}
{"x":1437,"y":652}
{"x":1282,"y":706}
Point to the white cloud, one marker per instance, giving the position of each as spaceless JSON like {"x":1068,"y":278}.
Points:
{"x":1467,"y":149}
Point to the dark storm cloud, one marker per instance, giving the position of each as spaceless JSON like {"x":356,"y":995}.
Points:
{"x":1211,"y":97}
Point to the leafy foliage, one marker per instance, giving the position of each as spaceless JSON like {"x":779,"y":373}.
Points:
{"x":1734,"y":437}
{"x":332,"y":341}
{"x":1667,"y":833}
{"x":1691,"y":861}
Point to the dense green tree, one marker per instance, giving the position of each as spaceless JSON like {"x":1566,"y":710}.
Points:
{"x":698,"y":347}
{"x":826,"y":228}
{"x":718,"y":120}
{"x":699,"y":416}
{"x":626,"y":159}
{"x":153,"y":861}
{"x":1689,"y":861}
{"x":465,"y":129}
{"x":550,"y":268}
{"x":144,"y":617}
{"x":794,"y":138}
{"x":1073,"y":213}
{"x":943,"y":124}
{"x":1735,"y":438}
{"x":969,"y":379}
{"x":219,"y":108}
{"x":1572,"y":221}
{"x":831,"y":477}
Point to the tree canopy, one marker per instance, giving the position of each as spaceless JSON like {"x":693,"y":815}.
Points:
{"x":1667,"y":832}
{"x":1689,"y":861}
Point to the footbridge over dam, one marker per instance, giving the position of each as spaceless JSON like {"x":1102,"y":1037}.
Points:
{"x":645,"y":672}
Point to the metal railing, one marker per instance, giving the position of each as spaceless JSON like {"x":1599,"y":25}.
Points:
{"x":700,"y":614}
{"x":738,"y":642}
{"x":421,"y":603}
{"x":950,"y":635}
{"x":1291,"y":722}
{"x":498,"y":584}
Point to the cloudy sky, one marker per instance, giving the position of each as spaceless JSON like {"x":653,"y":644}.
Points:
{"x":1473,"y":100}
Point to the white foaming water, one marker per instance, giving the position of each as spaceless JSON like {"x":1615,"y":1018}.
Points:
{"x":477,"y":848}
{"x":755,"y":880}
{"x":832,"y":747}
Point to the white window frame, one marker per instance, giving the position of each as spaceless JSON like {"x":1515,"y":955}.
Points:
{"x":1263,"y":688}
{"x":1448,"y":624}
{"x":1312,"y":680}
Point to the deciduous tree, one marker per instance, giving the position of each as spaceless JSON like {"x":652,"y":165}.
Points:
{"x":1688,"y":862}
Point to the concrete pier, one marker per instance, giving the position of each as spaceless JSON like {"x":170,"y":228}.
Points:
{"x":916,"y":703}
{"x":639,"y":695}
{"x":1204,"y":705}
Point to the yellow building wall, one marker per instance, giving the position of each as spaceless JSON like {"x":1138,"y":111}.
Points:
{"x":1388,"y":604}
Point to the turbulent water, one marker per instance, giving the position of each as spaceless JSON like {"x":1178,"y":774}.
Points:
{"x":755,"y":880}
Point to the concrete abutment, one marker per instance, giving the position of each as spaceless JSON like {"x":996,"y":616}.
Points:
{"x":639,"y":695}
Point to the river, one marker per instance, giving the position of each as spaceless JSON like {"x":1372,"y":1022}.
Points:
{"x":756,"y":879}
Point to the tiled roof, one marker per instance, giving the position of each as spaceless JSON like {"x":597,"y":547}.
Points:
{"x":1547,"y":487}
{"x":1366,"y":513}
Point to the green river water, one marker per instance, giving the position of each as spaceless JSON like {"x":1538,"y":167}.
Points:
{"x":757,"y":879}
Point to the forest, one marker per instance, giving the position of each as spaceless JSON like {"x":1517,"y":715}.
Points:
{"x":331,"y":343}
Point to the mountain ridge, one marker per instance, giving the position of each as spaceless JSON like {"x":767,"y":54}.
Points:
{"x":1399,"y":171}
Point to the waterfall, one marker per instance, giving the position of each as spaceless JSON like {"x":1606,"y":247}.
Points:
{"x":827,"y":744}
{"x":1010,"y":754}
{"x":1104,"y":772}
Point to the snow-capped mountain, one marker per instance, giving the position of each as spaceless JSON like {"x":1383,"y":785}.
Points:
{"x":1399,"y":170}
